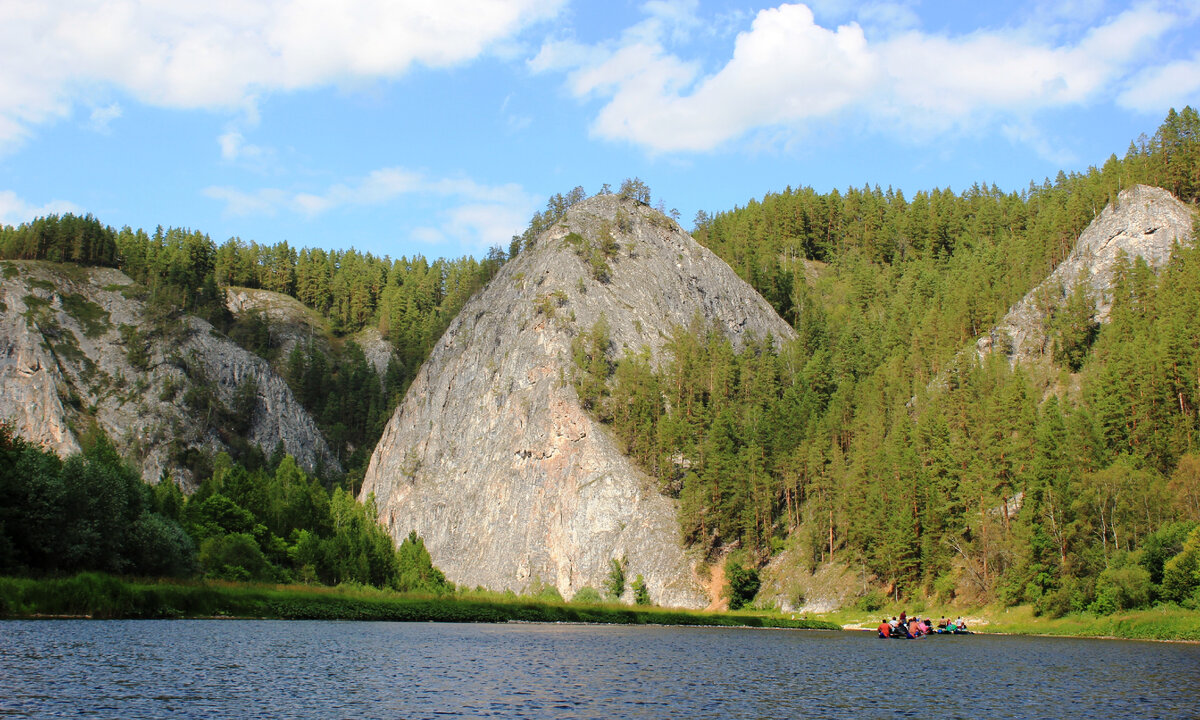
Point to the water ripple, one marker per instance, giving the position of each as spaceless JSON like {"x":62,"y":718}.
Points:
{"x":269,"y":669}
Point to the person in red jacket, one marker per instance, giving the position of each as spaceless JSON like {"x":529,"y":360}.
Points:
{"x":885,"y":629}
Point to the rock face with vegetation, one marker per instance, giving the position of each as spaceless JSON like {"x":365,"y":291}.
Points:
{"x":492,"y":457}
{"x":1145,"y":222}
{"x":286,"y":321}
{"x":78,"y":346}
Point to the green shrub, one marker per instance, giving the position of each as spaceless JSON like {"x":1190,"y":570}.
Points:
{"x":1162,"y":545}
{"x":615,"y":585}
{"x":1073,"y":595}
{"x":1121,"y":588}
{"x":587,"y":595}
{"x":159,"y":546}
{"x":946,"y":585}
{"x":872,"y":600}
{"x":1181,"y":574}
{"x":91,"y":317}
{"x":641,"y":594}
{"x":416,"y":570}
{"x":743,"y":583}
{"x":546,"y":592}
{"x":236,"y":556}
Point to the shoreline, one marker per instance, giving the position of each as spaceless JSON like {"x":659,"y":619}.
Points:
{"x":1157,"y":624}
{"x":99,"y":597}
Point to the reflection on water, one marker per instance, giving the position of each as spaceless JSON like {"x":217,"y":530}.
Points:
{"x":271,"y":669}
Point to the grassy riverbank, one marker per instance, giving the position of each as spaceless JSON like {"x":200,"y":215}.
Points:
{"x":1159,"y":623}
{"x":102,"y":596}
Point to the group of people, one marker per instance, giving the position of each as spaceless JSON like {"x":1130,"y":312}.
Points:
{"x":915,"y":627}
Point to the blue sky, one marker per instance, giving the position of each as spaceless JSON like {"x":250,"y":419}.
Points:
{"x":437,"y":128}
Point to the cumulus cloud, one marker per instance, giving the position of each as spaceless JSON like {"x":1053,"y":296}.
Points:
{"x":937,"y":83}
{"x":478,"y":216}
{"x":14,"y":210}
{"x":1172,"y":85}
{"x":222,"y":53}
{"x":787,"y":69}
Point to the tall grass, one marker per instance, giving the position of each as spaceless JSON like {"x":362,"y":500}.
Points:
{"x":102,"y":596}
{"x":1159,"y":623}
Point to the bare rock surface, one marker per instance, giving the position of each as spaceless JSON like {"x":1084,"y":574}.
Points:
{"x":377,"y":350}
{"x":1144,"y":222}
{"x":291,"y":323}
{"x":76,"y":347}
{"x":490,"y":457}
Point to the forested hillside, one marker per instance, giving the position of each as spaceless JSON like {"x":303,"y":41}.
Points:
{"x":876,"y":441}
{"x":410,"y":301}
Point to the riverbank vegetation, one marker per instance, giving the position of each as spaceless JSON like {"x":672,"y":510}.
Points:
{"x":91,"y":512}
{"x":99,"y":596}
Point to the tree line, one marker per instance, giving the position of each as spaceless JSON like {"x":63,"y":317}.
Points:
{"x":92,"y":512}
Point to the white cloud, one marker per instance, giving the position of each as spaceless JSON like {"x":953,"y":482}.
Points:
{"x":484,"y":225}
{"x":428,"y":235}
{"x":1025,"y":133}
{"x":102,"y":117}
{"x":222,"y":53}
{"x":238,"y":203}
{"x":1172,"y":85}
{"x":234,"y":146}
{"x":879,"y":17}
{"x":477,"y":216}
{"x":787,"y":70}
{"x":784,"y":69}
{"x":938,"y":83}
{"x":14,"y":210}
{"x":676,"y":16}
{"x":562,"y":55}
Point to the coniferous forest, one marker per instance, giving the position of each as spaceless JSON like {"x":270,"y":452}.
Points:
{"x":879,"y":439}
{"x":875,"y":439}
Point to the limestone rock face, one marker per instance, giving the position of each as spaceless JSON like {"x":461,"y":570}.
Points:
{"x":1144,"y":221}
{"x":29,"y":400}
{"x":490,"y":457}
{"x":76,"y":346}
{"x":290,"y":323}
{"x":377,"y":350}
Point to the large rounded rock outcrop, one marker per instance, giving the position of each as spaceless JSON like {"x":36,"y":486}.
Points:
{"x":490,"y":457}
{"x":1144,"y":222}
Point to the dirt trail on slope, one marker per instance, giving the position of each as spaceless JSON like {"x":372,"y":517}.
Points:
{"x":715,"y":587}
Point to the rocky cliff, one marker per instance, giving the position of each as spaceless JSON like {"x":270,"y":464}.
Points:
{"x":490,"y":457}
{"x":77,"y":346}
{"x":1144,"y":222}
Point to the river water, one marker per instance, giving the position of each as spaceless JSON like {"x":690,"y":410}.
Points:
{"x":275,"y":669}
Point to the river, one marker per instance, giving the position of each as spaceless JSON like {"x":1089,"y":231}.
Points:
{"x":277,"y":669}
